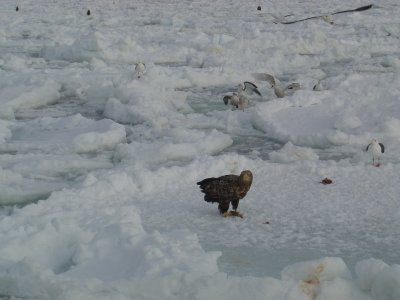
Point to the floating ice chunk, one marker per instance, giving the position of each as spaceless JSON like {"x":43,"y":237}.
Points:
{"x":21,"y":280}
{"x":66,"y":135}
{"x":387,"y":284}
{"x":100,"y":138}
{"x":13,"y":63}
{"x":291,"y":153}
{"x":390,"y":61}
{"x":391,"y":127}
{"x":144,"y":103}
{"x":26,"y":191}
{"x":5,"y":132}
{"x":323,"y":269}
{"x":222,"y":39}
{"x":367,"y":272}
{"x":314,"y":279}
{"x":82,"y":49}
{"x":251,"y":31}
{"x":347,"y":121}
{"x":177,"y":145}
{"x":32,"y":95}
{"x":7,"y":113}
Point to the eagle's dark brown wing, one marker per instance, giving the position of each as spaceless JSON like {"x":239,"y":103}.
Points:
{"x":222,"y":190}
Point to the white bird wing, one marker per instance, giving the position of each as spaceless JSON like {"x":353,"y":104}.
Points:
{"x":265,"y":77}
{"x":251,"y":88}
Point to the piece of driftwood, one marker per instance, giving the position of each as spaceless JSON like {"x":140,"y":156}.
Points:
{"x":362,"y":8}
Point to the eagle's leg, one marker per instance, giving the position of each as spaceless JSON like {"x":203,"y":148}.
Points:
{"x":234,"y":212}
{"x":223,"y":208}
{"x":235,"y":204}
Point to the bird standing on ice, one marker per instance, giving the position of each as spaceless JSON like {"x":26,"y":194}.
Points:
{"x":140,"y":69}
{"x":226,"y":190}
{"x":376,"y":149}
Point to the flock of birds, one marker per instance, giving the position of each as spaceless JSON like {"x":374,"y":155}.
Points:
{"x":229,"y":189}
{"x":239,"y":100}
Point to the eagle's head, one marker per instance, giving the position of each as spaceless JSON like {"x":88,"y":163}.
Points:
{"x":246,"y":177}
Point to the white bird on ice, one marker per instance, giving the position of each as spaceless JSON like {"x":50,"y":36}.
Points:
{"x":279,"y":92}
{"x":318,"y":86}
{"x":239,"y":99}
{"x":328,"y":19}
{"x":140,"y":69}
{"x":236,"y":101}
{"x":376,"y":149}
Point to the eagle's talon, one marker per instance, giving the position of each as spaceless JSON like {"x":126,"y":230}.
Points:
{"x":234,"y":213}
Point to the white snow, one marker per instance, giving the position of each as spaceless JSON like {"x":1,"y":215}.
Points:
{"x":98,"y":168}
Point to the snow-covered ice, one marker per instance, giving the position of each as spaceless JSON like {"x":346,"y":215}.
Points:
{"x":98,"y":168}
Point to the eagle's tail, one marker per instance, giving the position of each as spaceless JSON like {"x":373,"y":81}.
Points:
{"x":204,"y":186}
{"x":204,"y":182}
{"x":208,"y":198}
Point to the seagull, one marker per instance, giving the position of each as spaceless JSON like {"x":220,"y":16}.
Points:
{"x":318,"y":86}
{"x":376,"y":149}
{"x":279,"y":92}
{"x":239,"y":99}
{"x":248,"y":87}
{"x":328,"y":19}
{"x":140,"y":69}
{"x":236,"y":101}
{"x":232,"y":99}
